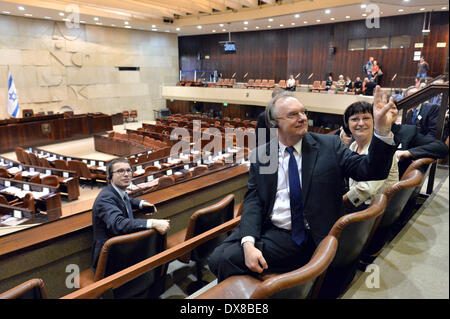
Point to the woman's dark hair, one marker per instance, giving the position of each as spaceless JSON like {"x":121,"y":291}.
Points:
{"x":359,"y":107}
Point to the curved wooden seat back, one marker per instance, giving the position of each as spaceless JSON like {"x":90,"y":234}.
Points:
{"x":4,"y":172}
{"x":205,"y":219}
{"x":19,"y":154}
{"x":399,"y":194}
{"x":294,"y":284}
{"x":353,"y":230}
{"x":31,"y":289}
{"x":50,"y":180}
{"x":121,"y":252}
{"x":60,"y":164}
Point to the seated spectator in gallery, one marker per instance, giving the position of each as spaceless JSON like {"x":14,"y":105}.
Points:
{"x":340,"y":86}
{"x":358,"y":85}
{"x":329,"y":83}
{"x":348,"y":85}
{"x":397,"y":95}
{"x":290,"y":84}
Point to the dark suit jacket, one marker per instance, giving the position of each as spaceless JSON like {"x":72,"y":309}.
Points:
{"x":426,"y":120}
{"x":408,"y":137}
{"x":261,"y":124}
{"x":110,"y":218}
{"x":325,"y":164}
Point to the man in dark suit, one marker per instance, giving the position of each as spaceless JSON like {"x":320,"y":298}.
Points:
{"x":112,"y":213}
{"x":413,"y":145}
{"x":294,"y":195}
{"x":424,"y":116}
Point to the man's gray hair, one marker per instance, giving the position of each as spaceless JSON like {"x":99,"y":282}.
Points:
{"x":272,"y":115}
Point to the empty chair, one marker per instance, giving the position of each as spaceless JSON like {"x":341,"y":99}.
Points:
{"x":294,"y":284}
{"x":250,"y":84}
{"x":123,"y":251}
{"x":34,"y":159}
{"x":352,"y":231}
{"x":27,"y":202}
{"x":165,"y":181}
{"x":60,"y":164}
{"x":151,"y":169}
{"x":31,"y":289}
{"x":133,"y":115}
{"x":398,"y":194}
{"x":4,"y":201}
{"x":51,"y":180}
{"x":35,"y":179}
{"x":282,"y":84}
{"x":201,"y":221}
{"x":19,"y":154}
{"x":4,"y":172}
{"x":257,"y":84}
{"x":199,"y":169}
{"x":44,"y":162}
{"x":18,"y":176}
{"x":73,"y":166}
{"x":125,"y":115}
{"x":26,"y":158}
{"x":271,"y":84}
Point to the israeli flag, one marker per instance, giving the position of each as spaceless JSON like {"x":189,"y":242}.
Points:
{"x":13,"y":100}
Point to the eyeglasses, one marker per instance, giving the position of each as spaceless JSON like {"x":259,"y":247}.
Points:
{"x":123,"y":171}
{"x":294,"y":115}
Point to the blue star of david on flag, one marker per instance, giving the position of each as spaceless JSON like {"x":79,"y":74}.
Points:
{"x":13,"y":100}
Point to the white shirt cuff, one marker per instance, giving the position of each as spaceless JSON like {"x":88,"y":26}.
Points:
{"x":248,"y":238}
{"x":141,"y":203}
{"x":149,"y":223}
{"x":387,"y":139}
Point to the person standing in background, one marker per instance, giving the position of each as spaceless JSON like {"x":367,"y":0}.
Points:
{"x":422,"y":68}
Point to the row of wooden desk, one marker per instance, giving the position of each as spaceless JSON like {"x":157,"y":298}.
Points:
{"x":47,"y":129}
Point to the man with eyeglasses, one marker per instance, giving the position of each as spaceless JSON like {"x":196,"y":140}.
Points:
{"x":112,"y":213}
{"x":289,"y":209}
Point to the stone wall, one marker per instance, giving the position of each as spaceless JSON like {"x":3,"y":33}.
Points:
{"x":54,"y":66}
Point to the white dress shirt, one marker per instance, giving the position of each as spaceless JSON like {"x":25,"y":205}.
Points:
{"x":281,"y":212}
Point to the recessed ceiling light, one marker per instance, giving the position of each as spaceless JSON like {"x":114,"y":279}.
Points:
{"x":347,"y":17}
{"x":113,"y":25}
{"x":47,"y":17}
{"x":99,"y":23}
{"x":61,"y":14}
{"x":245,"y":22}
{"x":318,"y":20}
{"x":281,"y":25}
{"x":95,"y":19}
{"x":28,"y":15}
{"x":332,"y":19}
{"x":305,"y":22}
{"x":224,"y":30}
{"x":270,"y":19}
{"x":269,"y":26}
{"x":213,"y":30}
{"x":178,"y":29}
{"x":245,"y":28}
{"x":364,"y":15}
{"x":400,"y":10}
{"x":199,"y":27}
{"x":405,"y":0}
{"x":82,"y":21}
{"x":167,"y":31}
{"x":256,"y":27}
{"x":154,"y":29}
{"x":65,"y":19}
{"x":126,"y":22}
{"x":6,"y":12}
{"x":422,"y":9}
{"x":153,"y":26}
{"x":297,"y":16}
{"x":21,"y":8}
{"x":293,"y":23}
{"x":363,"y":6}
{"x":327,"y":11}
{"x":444,"y":8}
{"x":221,"y":25}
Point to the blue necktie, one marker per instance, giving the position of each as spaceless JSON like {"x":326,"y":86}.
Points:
{"x":414,"y":116}
{"x":128,"y":206}
{"x":295,"y":196}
